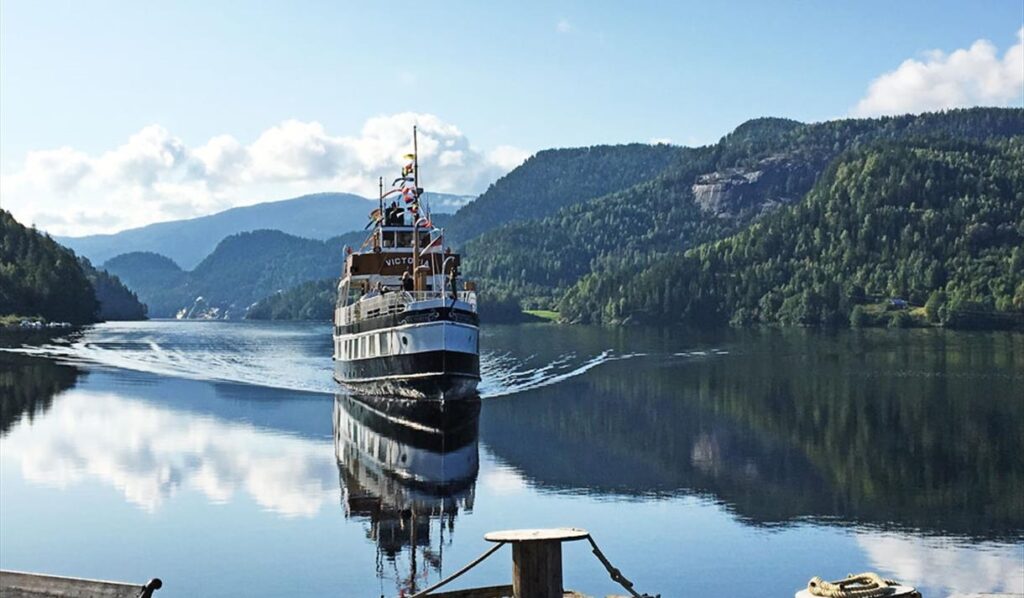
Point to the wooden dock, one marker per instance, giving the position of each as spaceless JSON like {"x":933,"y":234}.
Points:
{"x":18,"y":584}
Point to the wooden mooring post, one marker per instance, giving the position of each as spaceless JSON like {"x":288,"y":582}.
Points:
{"x":537,"y":559}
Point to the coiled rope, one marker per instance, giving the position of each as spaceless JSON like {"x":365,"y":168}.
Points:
{"x":863,"y":585}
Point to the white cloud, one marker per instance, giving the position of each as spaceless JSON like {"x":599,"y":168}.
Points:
{"x":946,"y":564}
{"x":162,"y":453}
{"x":507,"y":157}
{"x":564,"y":26}
{"x":156,"y":176}
{"x":58,"y":170}
{"x":966,"y":77}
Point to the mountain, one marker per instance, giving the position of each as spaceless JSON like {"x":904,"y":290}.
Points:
{"x":117,"y":302}
{"x":241,"y":270}
{"x":154,"y":277}
{"x":937,"y":223}
{"x":764,"y":166}
{"x":41,"y":278}
{"x":187,"y":242}
{"x":555,"y":178}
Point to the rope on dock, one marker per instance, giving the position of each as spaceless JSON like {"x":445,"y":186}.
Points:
{"x":615,"y":574}
{"x":863,"y":585}
{"x":468,"y":566}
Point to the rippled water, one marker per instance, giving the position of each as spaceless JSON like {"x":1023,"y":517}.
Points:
{"x":286,"y":356}
{"x":216,"y":456}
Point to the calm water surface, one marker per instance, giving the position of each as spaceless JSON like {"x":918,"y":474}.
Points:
{"x":217,"y":457}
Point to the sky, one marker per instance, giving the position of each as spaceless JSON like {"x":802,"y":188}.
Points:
{"x":118,"y":114}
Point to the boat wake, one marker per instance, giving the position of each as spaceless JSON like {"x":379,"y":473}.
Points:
{"x":293,"y":358}
{"x":505,"y":374}
{"x":198,"y":361}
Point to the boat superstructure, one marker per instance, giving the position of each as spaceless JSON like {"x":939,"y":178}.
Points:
{"x":404,"y":323}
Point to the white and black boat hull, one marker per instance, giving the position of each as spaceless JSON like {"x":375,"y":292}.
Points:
{"x":434,"y":375}
{"x":435,"y":360}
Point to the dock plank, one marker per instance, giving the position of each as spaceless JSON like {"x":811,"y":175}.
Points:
{"x":18,"y":584}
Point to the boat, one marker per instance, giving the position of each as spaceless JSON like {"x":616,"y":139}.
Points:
{"x":403,"y":325}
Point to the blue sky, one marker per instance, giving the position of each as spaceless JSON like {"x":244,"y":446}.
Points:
{"x":513,"y":78}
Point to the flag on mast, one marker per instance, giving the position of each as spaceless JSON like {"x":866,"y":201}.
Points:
{"x":375,"y":217}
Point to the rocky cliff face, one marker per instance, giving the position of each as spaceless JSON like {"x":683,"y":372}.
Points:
{"x":750,"y":192}
{"x":200,"y":309}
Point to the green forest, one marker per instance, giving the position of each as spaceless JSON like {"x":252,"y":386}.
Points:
{"x":244,"y":269}
{"x":556,"y":178}
{"x":939,"y":225}
{"x":39,"y":278}
{"x":585,"y":259}
{"x":312,"y":300}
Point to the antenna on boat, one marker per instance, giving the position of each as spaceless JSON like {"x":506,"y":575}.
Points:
{"x":416,"y":217}
{"x":380,"y":206}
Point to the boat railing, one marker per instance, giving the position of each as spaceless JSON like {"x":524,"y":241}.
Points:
{"x":464,"y":296}
{"x":394,"y":302}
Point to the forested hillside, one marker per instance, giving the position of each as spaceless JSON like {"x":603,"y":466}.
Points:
{"x":711,"y":192}
{"x":243,"y":269}
{"x":117,"y":302}
{"x":553,"y":179}
{"x":312,"y":300}
{"x":150,"y":275}
{"x":40,"y":278}
{"x":938,"y":222}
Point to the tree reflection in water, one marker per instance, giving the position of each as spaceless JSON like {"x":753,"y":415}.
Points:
{"x":28,"y":385}
{"x":857,"y":429}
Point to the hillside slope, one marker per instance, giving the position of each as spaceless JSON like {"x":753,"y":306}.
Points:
{"x":241,"y":270}
{"x":117,"y":302}
{"x":711,"y":192}
{"x":553,"y":179}
{"x":935,"y":222}
{"x":41,"y":278}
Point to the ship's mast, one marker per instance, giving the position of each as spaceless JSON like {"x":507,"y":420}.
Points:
{"x":416,"y":284}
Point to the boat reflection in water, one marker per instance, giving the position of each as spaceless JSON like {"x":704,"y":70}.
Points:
{"x":407,"y":473}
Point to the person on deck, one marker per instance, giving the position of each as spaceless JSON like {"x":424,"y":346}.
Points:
{"x":406,"y":281}
{"x":394,"y":215}
{"x":453,"y":283}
